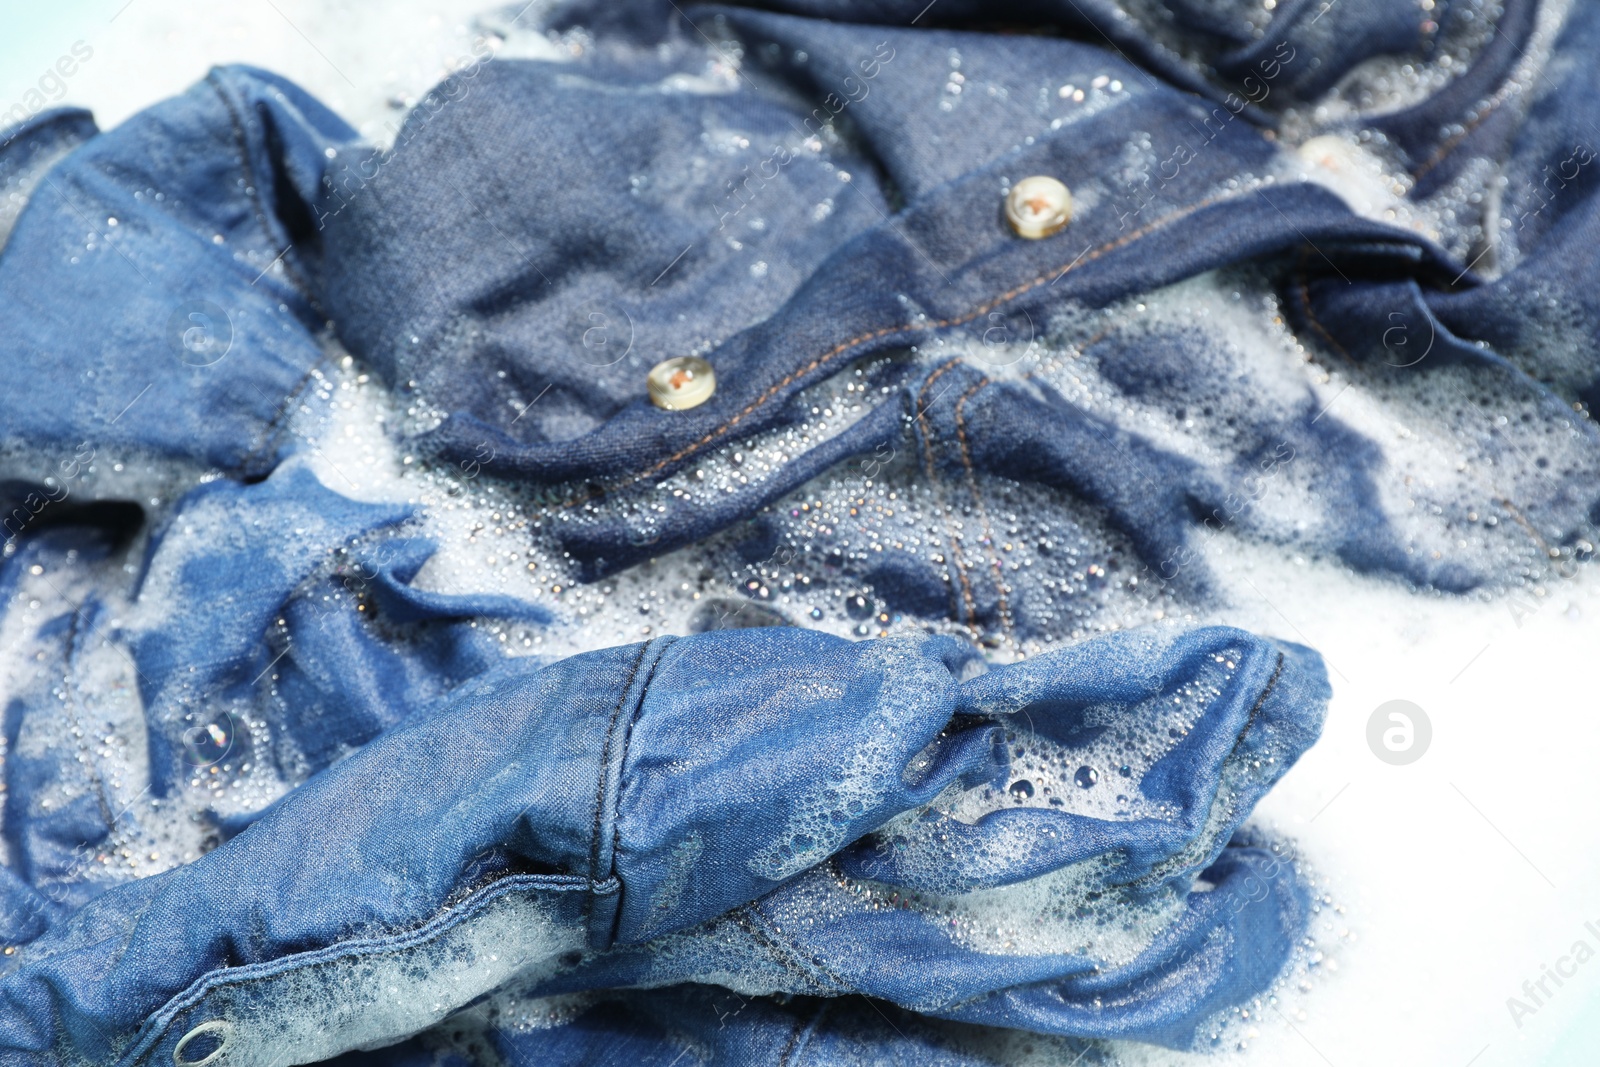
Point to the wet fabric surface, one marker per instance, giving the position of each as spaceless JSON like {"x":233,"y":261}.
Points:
{"x":381,"y":666}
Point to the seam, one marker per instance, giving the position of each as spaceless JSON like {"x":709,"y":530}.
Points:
{"x":442,"y":922}
{"x":1007,"y":622}
{"x":1255,"y":710}
{"x":802,"y":1034}
{"x":1050,"y":276}
{"x":273,"y":429}
{"x":1311,"y":317}
{"x":784,"y":954}
{"x":605,"y":762}
{"x":757,"y":920}
{"x":1444,"y":150}
{"x":253,"y":191}
{"x":955,"y":565}
{"x":622,"y":765}
{"x":983,"y":512}
{"x":1509,"y":89}
{"x":1528,"y":527}
{"x":276,"y":426}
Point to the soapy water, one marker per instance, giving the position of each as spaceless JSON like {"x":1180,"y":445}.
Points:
{"x":493,"y":537}
{"x":1101,"y":779}
{"x":496,"y":537}
{"x":382,"y":993}
{"x":1064,"y":912}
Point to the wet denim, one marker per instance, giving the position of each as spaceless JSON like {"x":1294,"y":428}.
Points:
{"x":655,"y":814}
{"x":473,"y":266}
{"x":748,"y":814}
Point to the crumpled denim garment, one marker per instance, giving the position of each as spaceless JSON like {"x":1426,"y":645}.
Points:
{"x":656,"y":814}
{"x":564,"y":855}
{"x":471,"y":263}
{"x":616,"y":833}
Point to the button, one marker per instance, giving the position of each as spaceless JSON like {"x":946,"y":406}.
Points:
{"x":681,"y":383}
{"x":1038,"y":206}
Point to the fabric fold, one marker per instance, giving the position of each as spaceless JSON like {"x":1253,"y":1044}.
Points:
{"x":625,"y":808}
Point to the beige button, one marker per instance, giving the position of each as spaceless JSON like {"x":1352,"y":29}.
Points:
{"x":681,"y":383}
{"x":1038,"y":206}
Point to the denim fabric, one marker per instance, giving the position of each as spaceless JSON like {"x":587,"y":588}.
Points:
{"x":173,"y":215}
{"x":511,"y":311}
{"x":707,"y":1024}
{"x":30,"y":149}
{"x":653,"y":814}
{"x":282,"y":785}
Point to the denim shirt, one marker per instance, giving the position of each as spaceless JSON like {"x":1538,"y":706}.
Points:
{"x":379,"y":801}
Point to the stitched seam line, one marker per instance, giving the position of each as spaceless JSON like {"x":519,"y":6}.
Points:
{"x":254,"y":193}
{"x":605,"y":763}
{"x":627,"y":741}
{"x":983,"y":512}
{"x":757,"y":920}
{"x":274,"y":427}
{"x":802,"y":1034}
{"x":955,"y":564}
{"x":1266,"y":691}
{"x":1528,"y":527}
{"x":441,"y":923}
{"x":1311,"y":316}
{"x":1508,"y":89}
{"x":784,"y":954}
{"x":940,"y":324}
{"x":1444,"y":150}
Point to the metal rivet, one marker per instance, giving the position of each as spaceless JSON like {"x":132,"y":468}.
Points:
{"x":1038,"y":206}
{"x":681,"y":383}
{"x":221,"y":1028}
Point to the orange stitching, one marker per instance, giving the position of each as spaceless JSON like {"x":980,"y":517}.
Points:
{"x":1006,"y":622}
{"x":1522,"y":521}
{"x":1311,"y":318}
{"x":1506,"y":92}
{"x":1508,"y":89}
{"x":983,"y":512}
{"x":933,"y":480}
{"x":940,"y":324}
